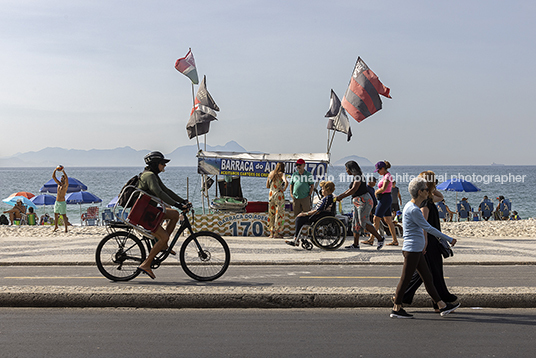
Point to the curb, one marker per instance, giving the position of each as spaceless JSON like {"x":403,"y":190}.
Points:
{"x":299,"y":263}
{"x":247,"y":300}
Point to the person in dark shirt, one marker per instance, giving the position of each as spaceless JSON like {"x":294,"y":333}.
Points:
{"x":362,"y":205}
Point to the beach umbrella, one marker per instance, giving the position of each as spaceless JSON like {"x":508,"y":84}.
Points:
{"x":74,"y":185}
{"x":23,"y":193}
{"x":457,"y":185}
{"x":13,"y":200}
{"x":111,"y":204}
{"x":43,"y":199}
{"x":81,"y":197}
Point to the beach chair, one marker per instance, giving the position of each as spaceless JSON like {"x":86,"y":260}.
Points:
{"x":504,"y":209}
{"x":442,"y":210}
{"x":107,"y":216}
{"x":486,"y":208}
{"x":92,"y":216}
{"x":464,"y":209}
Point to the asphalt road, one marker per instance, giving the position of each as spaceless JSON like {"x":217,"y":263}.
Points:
{"x":274,"y":276}
{"x":357,"y":332}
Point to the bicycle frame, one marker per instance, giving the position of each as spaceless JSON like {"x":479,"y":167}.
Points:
{"x":147,"y":236}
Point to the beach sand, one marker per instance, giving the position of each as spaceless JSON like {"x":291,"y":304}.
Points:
{"x":519,"y":228}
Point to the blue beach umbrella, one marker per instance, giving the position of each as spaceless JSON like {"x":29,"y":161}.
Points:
{"x":81,"y":197}
{"x":13,"y":200}
{"x":74,"y":185}
{"x":456,"y":184}
{"x":43,"y":199}
{"x":111,"y":204}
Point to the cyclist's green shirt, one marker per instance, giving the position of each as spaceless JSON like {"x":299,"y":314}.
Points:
{"x":151,"y":183}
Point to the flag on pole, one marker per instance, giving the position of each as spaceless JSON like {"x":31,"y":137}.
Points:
{"x":362,"y":96}
{"x":186,"y":66}
{"x":337,"y":119}
{"x":203,"y":112}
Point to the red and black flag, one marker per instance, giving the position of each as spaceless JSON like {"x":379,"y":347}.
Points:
{"x":362,"y":96}
{"x":203,"y":112}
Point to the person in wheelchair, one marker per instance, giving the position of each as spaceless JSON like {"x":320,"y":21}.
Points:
{"x":321,"y":209}
{"x":151,"y":183}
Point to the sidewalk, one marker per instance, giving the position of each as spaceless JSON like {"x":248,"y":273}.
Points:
{"x":73,"y":249}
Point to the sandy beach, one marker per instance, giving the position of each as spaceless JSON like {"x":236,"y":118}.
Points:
{"x":480,"y":229}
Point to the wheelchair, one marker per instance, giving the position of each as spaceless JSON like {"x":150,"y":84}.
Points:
{"x":326,"y":232}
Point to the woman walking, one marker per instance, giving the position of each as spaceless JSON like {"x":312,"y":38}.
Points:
{"x":383,"y":194}
{"x":433,"y":255}
{"x":362,"y":205}
{"x":277,"y":183}
{"x":414,"y":248}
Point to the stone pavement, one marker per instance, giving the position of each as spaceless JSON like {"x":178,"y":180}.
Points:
{"x":79,"y":248}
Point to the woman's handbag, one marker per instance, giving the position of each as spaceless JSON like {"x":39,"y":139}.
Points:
{"x":445,"y":248}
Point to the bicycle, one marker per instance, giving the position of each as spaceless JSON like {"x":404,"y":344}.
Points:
{"x":204,"y":255}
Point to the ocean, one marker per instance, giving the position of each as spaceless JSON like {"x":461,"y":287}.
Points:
{"x":517,"y":183}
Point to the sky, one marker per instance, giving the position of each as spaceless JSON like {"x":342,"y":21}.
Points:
{"x":100,"y":74}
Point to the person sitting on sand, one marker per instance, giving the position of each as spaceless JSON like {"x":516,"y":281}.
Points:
{"x":60,"y":207}
{"x":32,"y":217}
{"x":16,"y":212}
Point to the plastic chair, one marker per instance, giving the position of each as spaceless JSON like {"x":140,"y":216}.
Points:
{"x":463,"y":209}
{"x":107,"y":216}
{"x":442,"y":210}
{"x":486,"y":208}
{"x":504,"y":208}
{"x":92,"y":216}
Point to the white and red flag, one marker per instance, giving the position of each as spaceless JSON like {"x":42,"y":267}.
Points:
{"x":186,"y":66}
{"x":362,"y":96}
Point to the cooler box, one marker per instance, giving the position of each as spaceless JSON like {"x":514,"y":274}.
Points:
{"x":257,"y":207}
{"x":145,"y":215}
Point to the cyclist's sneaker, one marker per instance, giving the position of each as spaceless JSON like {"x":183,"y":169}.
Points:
{"x":448,"y":308}
{"x":353,"y":247}
{"x":293,"y":242}
{"x":401,"y":313}
{"x":381,"y":243}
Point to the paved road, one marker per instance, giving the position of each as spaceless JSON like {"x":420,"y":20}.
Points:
{"x":273,"y":276}
{"x":353,"y":332}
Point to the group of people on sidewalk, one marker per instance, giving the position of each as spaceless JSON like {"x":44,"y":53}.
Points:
{"x":423,"y":260}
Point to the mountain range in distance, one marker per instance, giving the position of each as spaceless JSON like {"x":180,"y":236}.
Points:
{"x":123,"y":157}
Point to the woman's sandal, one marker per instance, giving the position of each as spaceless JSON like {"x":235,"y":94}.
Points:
{"x":368,"y":242}
{"x":393,"y":243}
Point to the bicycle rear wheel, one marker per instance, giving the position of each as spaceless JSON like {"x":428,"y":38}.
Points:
{"x":205,"y":256}
{"x":118,"y":256}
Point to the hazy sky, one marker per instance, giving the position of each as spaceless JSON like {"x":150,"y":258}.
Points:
{"x":100,"y":74}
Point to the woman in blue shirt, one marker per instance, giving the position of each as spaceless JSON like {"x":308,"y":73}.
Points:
{"x":414,"y":248}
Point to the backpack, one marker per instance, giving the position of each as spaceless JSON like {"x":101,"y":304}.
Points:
{"x":126,"y":192}
{"x":3,"y":220}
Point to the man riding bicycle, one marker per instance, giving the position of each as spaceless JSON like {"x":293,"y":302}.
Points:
{"x":151,"y":183}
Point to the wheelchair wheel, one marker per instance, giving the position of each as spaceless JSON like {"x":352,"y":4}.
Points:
{"x":328,"y":233}
{"x":118,"y":256}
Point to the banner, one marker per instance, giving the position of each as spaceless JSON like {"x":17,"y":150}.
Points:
{"x":257,"y":164}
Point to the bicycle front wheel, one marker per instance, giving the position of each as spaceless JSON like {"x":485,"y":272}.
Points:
{"x":205,"y":256}
{"x":118,"y":256}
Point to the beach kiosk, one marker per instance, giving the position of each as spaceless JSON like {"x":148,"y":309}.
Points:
{"x":259,"y":165}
